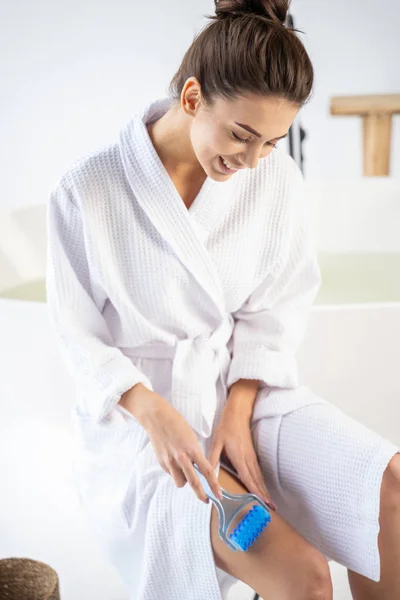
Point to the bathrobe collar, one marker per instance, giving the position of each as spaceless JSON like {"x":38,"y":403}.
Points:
{"x":185,"y":230}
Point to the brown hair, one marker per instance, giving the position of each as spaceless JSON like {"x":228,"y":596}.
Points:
{"x":247,"y":49}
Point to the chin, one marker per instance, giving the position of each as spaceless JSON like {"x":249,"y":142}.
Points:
{"x":218,"y":176}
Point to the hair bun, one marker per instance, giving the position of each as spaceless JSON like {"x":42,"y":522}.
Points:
{"x":275,"y":10}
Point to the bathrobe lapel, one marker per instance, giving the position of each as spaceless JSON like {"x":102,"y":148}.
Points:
{"x":184,"y":230}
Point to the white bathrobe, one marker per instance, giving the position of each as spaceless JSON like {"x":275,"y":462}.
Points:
{"x":141,"y":289}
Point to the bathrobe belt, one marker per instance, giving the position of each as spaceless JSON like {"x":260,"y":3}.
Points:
{"x":197,"y":364}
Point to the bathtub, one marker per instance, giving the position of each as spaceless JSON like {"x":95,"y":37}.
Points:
{"x":350,"y":355}
{"x":351,"y":350}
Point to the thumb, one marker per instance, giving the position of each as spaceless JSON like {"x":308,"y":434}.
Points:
{"x":215,"y":453}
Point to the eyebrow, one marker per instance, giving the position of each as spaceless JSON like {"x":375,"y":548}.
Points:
{"x":251,"y":130}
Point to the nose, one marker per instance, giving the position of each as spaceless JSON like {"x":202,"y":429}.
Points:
{"x":252,"y":156}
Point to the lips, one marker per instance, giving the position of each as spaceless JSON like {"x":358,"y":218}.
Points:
{"x":233,"y":166}
{"x":225,"y":169}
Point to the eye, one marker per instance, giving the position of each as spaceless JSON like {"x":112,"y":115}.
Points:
{"x":236,"y":137}
{"x":245,"y":141}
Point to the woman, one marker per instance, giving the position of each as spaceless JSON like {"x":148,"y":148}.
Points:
{"x":180,"y":277}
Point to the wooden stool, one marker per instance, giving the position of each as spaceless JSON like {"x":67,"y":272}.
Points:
{"x":376,"y":112}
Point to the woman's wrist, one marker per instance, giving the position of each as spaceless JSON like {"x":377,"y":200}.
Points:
{"x":242,"y":395}
{"x":141,"y":403}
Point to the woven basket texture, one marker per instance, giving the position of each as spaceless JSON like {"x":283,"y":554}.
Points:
{"x":27,"y":579}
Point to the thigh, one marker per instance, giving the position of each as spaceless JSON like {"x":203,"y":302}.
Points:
{"x":324,"y":471}
{"x":279,"y":551}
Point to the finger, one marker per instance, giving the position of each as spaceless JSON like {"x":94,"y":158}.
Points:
{"x":245,"y":477}
{"x":209,"y":473}
{"x":177,"y":474}
{"x":215,"y":453}
{"x":188,"y":469}
{"x":258,"y":477}
{"x":250,"y":482}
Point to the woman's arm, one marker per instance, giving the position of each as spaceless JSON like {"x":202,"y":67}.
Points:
{"x":270,"y":325}
{"x":242,"y":395}
{"x":101,"y":372}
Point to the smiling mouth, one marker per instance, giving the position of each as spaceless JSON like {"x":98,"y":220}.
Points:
{"x":226,"y":169}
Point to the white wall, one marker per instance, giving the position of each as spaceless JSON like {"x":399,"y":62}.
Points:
{"x":354,"y":46}
{"x":73,"y":73}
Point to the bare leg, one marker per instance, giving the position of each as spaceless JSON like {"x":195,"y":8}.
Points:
{"x":388,"y":588}
{"x":280,"y":565}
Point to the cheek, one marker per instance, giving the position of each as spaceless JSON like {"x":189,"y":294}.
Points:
{"x":208,"y":140}
{"x":208,"y":150}
{"x":214,"y":144}
{"x":200,"y":139}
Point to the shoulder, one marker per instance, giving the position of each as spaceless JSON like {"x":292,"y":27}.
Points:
{"x":275,"y":182}
{"x":272,"y":189}
{"x":277,"y":197}
{"x":92,"y":175}
{"x":281,"y":169}
{"x":283,"y":187}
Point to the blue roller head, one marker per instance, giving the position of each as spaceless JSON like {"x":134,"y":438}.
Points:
{"x":250,"y":527}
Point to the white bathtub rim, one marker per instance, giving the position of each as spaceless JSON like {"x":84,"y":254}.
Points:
{"x":348,"y":306}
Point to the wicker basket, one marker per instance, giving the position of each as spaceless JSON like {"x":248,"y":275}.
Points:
{"x":26,"y":579}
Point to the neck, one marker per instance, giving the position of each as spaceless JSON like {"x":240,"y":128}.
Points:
{"x":171,"y":140}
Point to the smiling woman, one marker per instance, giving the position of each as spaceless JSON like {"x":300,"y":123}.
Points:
{"x":257,"y":92}
{"x":195,"y":139}
{"x":181,"y":272}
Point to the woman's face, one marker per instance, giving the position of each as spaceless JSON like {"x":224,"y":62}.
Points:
{"x":240,"y":131}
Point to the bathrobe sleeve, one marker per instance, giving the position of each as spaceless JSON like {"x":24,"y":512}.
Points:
{"x":271,"y":323}
{"x":102,"y":373}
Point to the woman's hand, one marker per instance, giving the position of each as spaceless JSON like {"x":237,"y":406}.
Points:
{"x":233,"y":435}
{"x":174,"y":442}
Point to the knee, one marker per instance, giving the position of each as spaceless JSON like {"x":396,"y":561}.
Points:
{"x":390,"y":490}
{"x":317,"y":580}
{"x":393,"y":469}
{"x":305,"y":576}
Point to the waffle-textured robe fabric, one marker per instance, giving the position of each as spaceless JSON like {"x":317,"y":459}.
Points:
{"x":141,"y":289}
